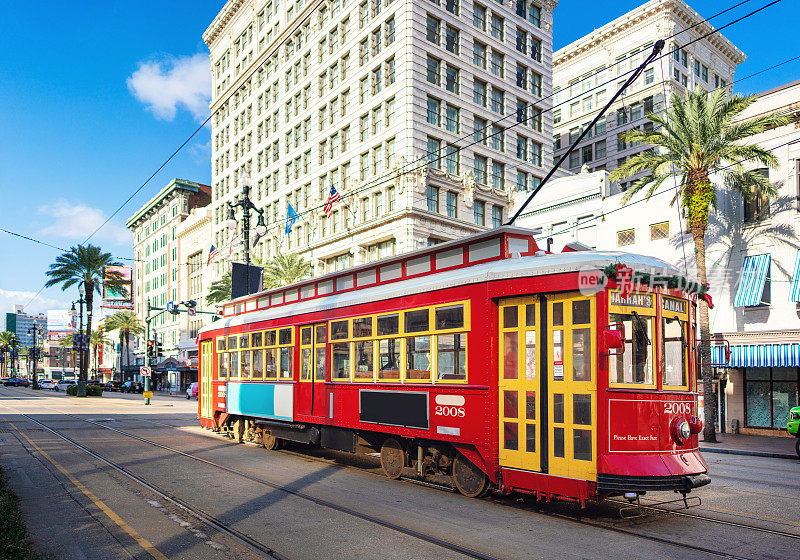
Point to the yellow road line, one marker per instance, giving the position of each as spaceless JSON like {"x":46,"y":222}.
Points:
{"x":144,"y":543}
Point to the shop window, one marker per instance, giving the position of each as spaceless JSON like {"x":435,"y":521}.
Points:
{"x":770,"y":392}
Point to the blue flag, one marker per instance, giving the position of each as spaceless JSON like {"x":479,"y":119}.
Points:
{"x":291,"y":218}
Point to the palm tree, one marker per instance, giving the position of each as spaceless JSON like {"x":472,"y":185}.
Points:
{"x":127,"y":323}
{"x":84,"y":265}
{"x":697,"y":138}
{"x":6,"y":338}
{"x":96,"y":340}
{"x":220,"y":290}
{"x":285,"y":269}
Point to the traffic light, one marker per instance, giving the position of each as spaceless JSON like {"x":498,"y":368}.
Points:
{"x":151,"y":344}
{"x":158,"y":349}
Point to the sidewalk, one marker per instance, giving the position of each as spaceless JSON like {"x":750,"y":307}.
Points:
{"x":759,"y":446}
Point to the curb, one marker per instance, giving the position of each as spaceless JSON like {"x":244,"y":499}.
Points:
{"x":751,"y":453}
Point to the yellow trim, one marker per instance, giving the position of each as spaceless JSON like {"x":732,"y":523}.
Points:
{"x":683,"y":317}
{"x":569,"y":466}
{"x":144,"y":543}
{"x":645,"y":313}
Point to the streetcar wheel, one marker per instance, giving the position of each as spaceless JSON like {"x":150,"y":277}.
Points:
{"x":270,"y":442}
{"x":469,"y":479}
{"x":393,"y":458}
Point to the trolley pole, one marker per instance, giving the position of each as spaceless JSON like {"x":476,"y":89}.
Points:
{"x":148,"y":359}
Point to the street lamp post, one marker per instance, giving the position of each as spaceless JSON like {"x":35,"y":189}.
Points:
{"x":261,"y":228}
{"x":35,"y":330}
{"x":80,"y":302}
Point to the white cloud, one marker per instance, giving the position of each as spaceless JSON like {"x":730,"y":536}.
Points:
{"x":10,"y":298}
{"x":78,"y":221}
{"x":173,"y":82}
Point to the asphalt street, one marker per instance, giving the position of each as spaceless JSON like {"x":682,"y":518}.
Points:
{"x":126,"y":480}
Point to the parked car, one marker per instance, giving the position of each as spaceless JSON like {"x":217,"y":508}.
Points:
{"x":132,"y":387}
{"x":46,"y":383}
{"x":23,"y":382}
{"x":191,"y":390}
{"x":64,"y":383}
{"x":12,"y":382}
{"x":112,"y":386}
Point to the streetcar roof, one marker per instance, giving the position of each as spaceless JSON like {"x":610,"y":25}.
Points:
{"x":509,"y":268}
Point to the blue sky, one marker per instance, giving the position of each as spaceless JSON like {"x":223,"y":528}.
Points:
{"x":95,"y":95}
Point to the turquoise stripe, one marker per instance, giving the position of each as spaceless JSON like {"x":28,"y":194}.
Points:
{"x":794,"y":294}
{"x":759,"y":355}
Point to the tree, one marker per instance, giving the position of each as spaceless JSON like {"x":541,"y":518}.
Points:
{"x":84,"y":265}
{"x":695,"y":139}
{"x":285,"y":269}
{"x":128,"y":324}
{"x":6,"y":340}
{"x":96,"y":340}
{"x":220,"y":290}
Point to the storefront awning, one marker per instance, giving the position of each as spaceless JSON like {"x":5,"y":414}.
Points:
{"x":759,"y":355}
{"x":794,"y":292}
{"x":751,"y":283}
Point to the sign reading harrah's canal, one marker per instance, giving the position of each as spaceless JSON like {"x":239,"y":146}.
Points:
{"x":633,"y":300}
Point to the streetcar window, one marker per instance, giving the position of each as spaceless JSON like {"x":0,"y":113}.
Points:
{"x":674,"y":352}
{"x":510,"y":317}
{"x":223,"y":365}
{"x":286,"y":362}
{"x":510,"y":355}
{"x":558,"y":355}
{"x":582,"y":409}
{"x":558,"y":442}
{"x":582,"y":444}
{"x":388,"y":358}
{"x":451,"y":357}
{"x":511,"y":435}
{"x":285,"y":336}
{"x":258,"y":364}
{"x":581,"y":312}
{"x":244,"y":341}
{"x":271,"y":363}
{"x":340,"y":361}
{"x":245,"y":365}
{"x":221,"y":344}
{"x":418,"y":358}
{"x":530,"y":438}
{"x":510,"y":404}
{"x":530,"y":315}
{"x":339,"y":330}
{"x":305,"y":363}
{"x":416,"y":321}
{"x":635,"y":365}
{"x":319,"y":367}
{"x":450,"y":317}
{"x":362,"y":359}
{"x":269,"y":338}
{"x":362,"y":327}
{"x":321,"y":337}
{"x":582,"y":354}
{"x":234,"y":365}
{"x":558,"y":313}
{"x":257,"y":339}
{"x":232,"y":343}
{"x":305,"y":335}
{"x":558,"y":408}
{"x":388,"y":324}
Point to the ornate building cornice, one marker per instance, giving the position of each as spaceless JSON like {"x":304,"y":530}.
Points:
{"x":225,"y":15}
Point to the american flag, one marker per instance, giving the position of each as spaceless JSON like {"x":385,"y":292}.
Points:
{"x":332,"y":198}
{"x":213,"y":253}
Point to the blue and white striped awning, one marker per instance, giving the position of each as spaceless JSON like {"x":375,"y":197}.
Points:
{"x":794,"y":292}
{"x":759,"y":355}
{"x":751,"y":283}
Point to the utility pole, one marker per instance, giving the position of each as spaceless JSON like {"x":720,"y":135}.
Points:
{"x":261,"y":228}
{"x":34,"y":330}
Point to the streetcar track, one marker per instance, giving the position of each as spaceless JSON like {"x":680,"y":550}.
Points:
{"x":412,"y":532}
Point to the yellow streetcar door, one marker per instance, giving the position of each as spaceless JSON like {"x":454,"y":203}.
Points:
{"x":519,"y":384}
{"x":572,"y":386}
{"x":206,"y":361}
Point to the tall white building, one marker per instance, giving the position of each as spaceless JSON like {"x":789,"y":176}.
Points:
{"x":752,"y":260}
{"x":352,"y":94}
{"x":587,"y":72}
{"x":158,"y":267}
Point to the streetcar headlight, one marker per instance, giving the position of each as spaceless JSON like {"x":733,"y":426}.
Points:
{"x":684,"y":431}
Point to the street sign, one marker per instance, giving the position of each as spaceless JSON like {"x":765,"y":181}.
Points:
{"x":191,"y":311}
{"x":147,"y":394}
{"x":145,"y":371}
{"x":170,"y":306}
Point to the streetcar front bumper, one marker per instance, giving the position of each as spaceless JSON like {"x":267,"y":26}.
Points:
{"x":684,"y":483}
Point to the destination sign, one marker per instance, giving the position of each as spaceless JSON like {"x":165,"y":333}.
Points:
{"x":633,"y":300}
{"x":672,"y":304}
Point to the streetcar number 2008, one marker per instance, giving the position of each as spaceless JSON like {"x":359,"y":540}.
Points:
{"x":455,"y":411}
{"x":677,"y":408}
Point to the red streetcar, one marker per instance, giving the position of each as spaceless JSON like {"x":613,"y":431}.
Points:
{"x":484,"y":360}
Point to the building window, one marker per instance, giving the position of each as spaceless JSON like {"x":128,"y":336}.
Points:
{"x":452,"y":204}
{"x":434,"y":70}
{"x":498,"y":27}
{"x":479,"y":130}
{"x":479,"y":55}
{"x":452,"y":119}
{"x":536,"y":84}
{"x":756,"y":206}
{"x":574,"y":159}
{"x":434,"y":111}
{"x":522,"y":148}
{"x":451,"y":6}
{"x":586,"y":154}
{"x":535,"y":15}
{"x":626,"y":237}
{"x":452,"y":159}
{"x":600,"y":149}
{"x":649,"y":76}
{"x":522,"y":181}
{"x":479,"y":212}
{"x":433,"y":29}
{"x":433,"y":199}
{"x":479,"y":16}
{"x":498,"y":176}
{"x":390,"y":75}
{"x":433,"y":147}
{"x":497,"y":139}
{"x":536,"y":154}
{"x":498,"y":101}
{"x":451,"y":79}
{"x":522,"y":40}
{"x":659,"y":231}
{"x":536,"y":50}
{"x":522,"y":76}
{"x":497,"y":216}
{"x":452,"y":40}
{"x":481,"y":164}
{"x":479,"y":93}
{"x":498,"y":64}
